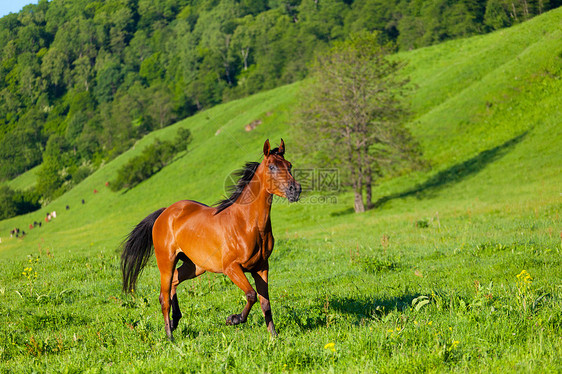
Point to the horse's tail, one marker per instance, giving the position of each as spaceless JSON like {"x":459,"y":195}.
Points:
{"x":137,"y":250}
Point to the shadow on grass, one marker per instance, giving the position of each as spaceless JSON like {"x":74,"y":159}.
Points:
{"x":356,"y":310}
{"x":455,"y":173}
{"x":365,"y":307}
{"x":342,"y":212}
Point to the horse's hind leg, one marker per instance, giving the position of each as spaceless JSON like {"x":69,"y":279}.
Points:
{"x":187,"y":270}
{"x":166,"y":273}
{"x":166,"y":264}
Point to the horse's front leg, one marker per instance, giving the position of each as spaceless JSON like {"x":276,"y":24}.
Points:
{"x":260,"y":277}
{"x":236,"y":274}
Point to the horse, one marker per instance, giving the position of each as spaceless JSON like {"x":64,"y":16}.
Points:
{"x":232,"y":236}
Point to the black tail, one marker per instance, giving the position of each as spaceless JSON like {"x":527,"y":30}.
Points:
{"x":137,"y":251}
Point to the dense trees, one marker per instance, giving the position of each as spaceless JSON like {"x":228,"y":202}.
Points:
{"x":14,"y":202}
{"x":152,"y":159}
{"x":102,"y":73}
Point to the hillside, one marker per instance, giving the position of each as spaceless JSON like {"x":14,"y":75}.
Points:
{"x":487,"y":113}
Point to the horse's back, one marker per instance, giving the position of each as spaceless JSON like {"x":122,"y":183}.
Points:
{"x":183,"y":215}
{"x":188,"y":226}
{"x":187,"y":204}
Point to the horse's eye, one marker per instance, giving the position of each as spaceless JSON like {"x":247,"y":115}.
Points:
{"x":272,"y":167}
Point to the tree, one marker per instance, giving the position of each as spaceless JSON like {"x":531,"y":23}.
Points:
{"x":20,"y":149}
{"x":354,"y":110}
{"x":160,"y":108}
{"x":496,"y":16}
{"x":50,"y":176}
{"x":109,"y":77}
{"x":54,"y":66}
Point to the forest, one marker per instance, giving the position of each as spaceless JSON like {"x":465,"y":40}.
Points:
{"x":82,"y":80}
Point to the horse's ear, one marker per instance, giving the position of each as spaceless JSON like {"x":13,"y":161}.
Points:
{"x":266,"y":148}
{"x":282,"y":147}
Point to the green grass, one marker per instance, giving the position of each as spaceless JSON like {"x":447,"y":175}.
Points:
{"x":427,"y":281}
{"x":25,"y":180}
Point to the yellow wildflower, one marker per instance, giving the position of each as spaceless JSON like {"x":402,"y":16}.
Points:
{"x":524,"y":276}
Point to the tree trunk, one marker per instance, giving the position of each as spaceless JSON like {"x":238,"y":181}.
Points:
{"x":357,"y":182}
{"x":525,"y":9}
{"x":359,"y":206}
{"x":368,"y":187}
{"x":245,"y":53}
{"x":514,"y":12}
{"x":358,"y":190}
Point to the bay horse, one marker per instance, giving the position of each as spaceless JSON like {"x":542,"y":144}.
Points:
{"x":232,"y":237}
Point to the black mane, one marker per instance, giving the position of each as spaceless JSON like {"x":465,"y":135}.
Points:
{"x":275,"y":151}
{"x":245,"y":174}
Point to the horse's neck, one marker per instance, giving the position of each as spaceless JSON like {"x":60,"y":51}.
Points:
{"x":256,"y":202}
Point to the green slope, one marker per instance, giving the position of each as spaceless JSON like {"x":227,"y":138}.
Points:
{"x":488,"y":115}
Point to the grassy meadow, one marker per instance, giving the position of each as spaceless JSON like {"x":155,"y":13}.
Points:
{"x":458,"y":268}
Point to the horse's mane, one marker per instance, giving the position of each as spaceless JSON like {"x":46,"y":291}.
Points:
{"x":246,"y":174}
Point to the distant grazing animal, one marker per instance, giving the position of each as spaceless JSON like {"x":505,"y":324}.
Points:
{"x":232,"y":237}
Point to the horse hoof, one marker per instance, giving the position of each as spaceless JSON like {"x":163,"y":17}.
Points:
{"x":234,"y":319}
{"x":175,"y":322}
{"x":170,"y":336}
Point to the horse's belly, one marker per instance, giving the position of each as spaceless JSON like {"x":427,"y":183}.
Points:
{"x":207,"y":257}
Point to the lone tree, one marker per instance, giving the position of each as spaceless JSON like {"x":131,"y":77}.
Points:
{"x":352,"y":113}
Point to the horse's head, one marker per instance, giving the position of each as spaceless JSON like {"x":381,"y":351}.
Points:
{"x":277,"y":172}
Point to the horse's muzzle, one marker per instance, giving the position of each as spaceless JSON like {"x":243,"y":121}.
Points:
{"x":293,"y":192}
